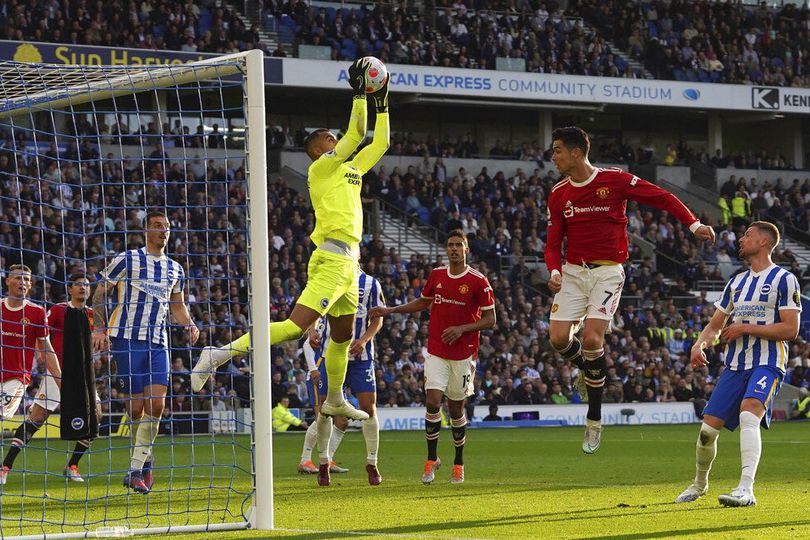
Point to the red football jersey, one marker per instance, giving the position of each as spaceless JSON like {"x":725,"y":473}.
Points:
{"x":19,"y":330}
{"x":591,"y":216}
{"x":457,"y":300}
{"x":56,"y":322}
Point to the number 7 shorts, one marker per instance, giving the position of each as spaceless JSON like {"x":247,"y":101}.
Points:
{"x":588,"y":292}
{"x":453,"y":377}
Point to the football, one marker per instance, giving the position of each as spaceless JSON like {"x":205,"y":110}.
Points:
{"x":376,"y":74}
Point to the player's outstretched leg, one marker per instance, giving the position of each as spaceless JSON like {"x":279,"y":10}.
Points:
{"x":459,"y":428}
{"x":750,"y":451}
{"x":595,"y":374}
{"x":213,"y":357}
{"x":705,"y":451}
{"x":433,"y":425}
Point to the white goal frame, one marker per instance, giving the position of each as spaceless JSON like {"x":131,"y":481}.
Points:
{"x":113,"y":81}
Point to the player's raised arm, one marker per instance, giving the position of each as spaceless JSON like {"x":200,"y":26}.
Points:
{"x":371,"y":154}
{"x":652,"y":195}
{"x":327,"y":162}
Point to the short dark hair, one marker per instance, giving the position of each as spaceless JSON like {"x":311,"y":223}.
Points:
{"x":153,"y":214}
{"x":769,"y":229}
{"x":457,"y":233}
{"x":74,"y":277}
{"x":22,"y":267}
{"x":572,"y":137}
{"x":312,"y":137}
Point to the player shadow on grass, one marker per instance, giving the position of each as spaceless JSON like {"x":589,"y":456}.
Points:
{"x":706,"y":530}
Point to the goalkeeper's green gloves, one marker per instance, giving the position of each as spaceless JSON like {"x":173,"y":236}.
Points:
{"x":357,"y":77}
{"x":380,"y":97}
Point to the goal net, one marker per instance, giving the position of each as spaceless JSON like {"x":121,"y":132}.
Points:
{"x":85,"y":154}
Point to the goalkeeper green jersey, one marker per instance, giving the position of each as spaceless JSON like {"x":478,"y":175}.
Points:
{"x":335,"y":184}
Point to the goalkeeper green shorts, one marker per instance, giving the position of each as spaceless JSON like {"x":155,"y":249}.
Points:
{"x":331,"y":284}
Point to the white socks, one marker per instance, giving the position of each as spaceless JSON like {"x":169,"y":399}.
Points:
{"x":324,"y":430}
{"x":334,"y":441}
{"x":145,"y":432}
{"x":750,"y":448}
{"x":705,"y":451}
{"x":371,"y":433}
{"x":310,"y":440}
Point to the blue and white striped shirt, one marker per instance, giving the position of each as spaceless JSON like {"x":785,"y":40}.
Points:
{"x":145,"y":285}
{"x":369,"y":295}
{"x":757,"y":298}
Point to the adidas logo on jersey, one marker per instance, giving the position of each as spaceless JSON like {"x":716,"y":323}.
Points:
{"x":439,"y":286}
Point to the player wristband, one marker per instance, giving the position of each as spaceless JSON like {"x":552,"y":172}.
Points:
{"x":695,"y":226}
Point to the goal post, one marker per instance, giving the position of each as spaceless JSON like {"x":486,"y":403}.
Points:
{"x":75,"y":211}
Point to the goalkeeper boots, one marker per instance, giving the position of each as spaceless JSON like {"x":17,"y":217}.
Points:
{"x":374,"y":478}
{"x":72,"y":474}
{"x":4,"y":475}
{"x":692,"y":493}
{"x":430,"y":470}
{"x":134,"y":481}
{"x":343,"y":409}
{"x":738,"y":497}
{"x":593,"y":436}
{"x":203,"y":369}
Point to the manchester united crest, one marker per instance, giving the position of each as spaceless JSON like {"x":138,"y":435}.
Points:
{"x":463,"y":288}
{"x":25,"y":321}
{"x":602,"y":192}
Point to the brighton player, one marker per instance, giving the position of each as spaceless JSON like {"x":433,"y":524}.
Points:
{"x":765,"y":305}
{"x":149,"y":286}
{"x":334,"y":188}
{"x":23,"y":331}
{"x":587,"y":209}
{"x":360,"y":378}
{"x":48,"y":395}
{"x":461,"y":304}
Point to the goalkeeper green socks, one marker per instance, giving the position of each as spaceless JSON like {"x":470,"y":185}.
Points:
{"x":337,"y":359}
{"x":280,"y":332}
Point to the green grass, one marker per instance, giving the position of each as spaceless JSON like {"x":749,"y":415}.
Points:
{"x":521,"y":483}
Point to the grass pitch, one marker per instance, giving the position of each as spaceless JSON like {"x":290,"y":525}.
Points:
{"x":521,"y":483}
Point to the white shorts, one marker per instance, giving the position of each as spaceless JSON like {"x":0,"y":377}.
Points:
{"x":48,"y":395}
{"x":453,"y":377}
{"x":11,"y":393}
{"x":588,"y":292}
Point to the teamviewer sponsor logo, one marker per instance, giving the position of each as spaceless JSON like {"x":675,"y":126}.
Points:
{"x":765,"y":98}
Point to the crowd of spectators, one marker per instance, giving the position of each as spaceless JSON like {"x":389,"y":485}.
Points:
{"x":682,"y":40}
{"x":94,"y":209}
{"x":456,"y":35}
{"x":727,"y":42}
{"x":178,"y":25}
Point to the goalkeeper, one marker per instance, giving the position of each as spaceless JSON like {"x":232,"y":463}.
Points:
{"x":334,"y":188}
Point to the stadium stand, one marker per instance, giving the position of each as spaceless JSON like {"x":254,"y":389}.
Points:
{"x":503,"y":212}
{"x":504,"y":216}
